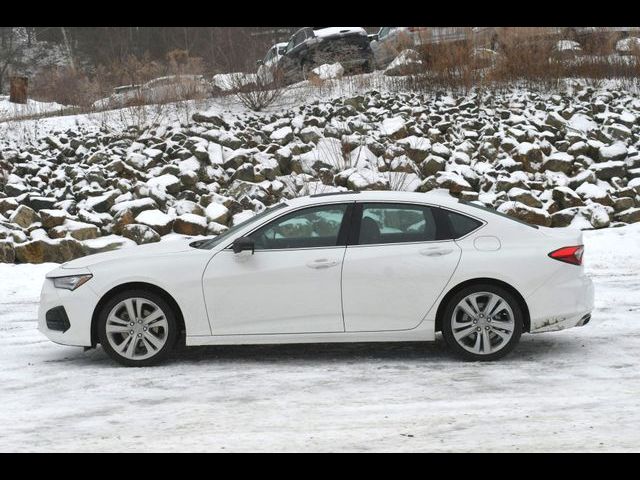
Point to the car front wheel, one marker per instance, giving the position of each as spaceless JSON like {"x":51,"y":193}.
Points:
{"x":137,"y":328}
{"x":482,"y":322}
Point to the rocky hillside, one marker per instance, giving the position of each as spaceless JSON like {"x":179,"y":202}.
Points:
{"x":553,"y":160}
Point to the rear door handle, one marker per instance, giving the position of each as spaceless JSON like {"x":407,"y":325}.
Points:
{"x":322,"y":263}
{"x":436,"y":251}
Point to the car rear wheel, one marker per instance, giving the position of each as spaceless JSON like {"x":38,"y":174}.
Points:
{"x":137,"y":328}
{"x":482,"y":322}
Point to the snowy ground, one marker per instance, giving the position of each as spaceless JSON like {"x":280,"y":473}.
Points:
{"x":575,"y":390}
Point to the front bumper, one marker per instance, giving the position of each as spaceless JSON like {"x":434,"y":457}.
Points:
{"x":78,"y":306}
{"x":560,"y":304}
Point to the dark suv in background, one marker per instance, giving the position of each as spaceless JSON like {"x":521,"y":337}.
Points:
{"x":309,"y":48}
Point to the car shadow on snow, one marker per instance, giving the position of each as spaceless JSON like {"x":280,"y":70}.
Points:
{"x":535,"y":348}
{"x":531,"y":348}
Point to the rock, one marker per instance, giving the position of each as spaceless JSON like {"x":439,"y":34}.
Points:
{"x":630,"y":215}
{"x":608,"y":170}
{"x":190,"y":224}
{"x":159,"y":221}
{"x":432,"y":165}
{"x":407,"y":63}
{"x":168,"y":182}
{"x":78,"y":230}
{"x":394,"y":127}
{"x":524,"y":196}
{"x":528,"y":154}
{"x":7,"y":252}
{"x":24,"y":216}
{"x":559,"y":162}
{"x":209,"y":117}
{"x":534,"y":216}
{"x":135,"y":206}
{"x":7,"y":204}
{"x":141,"y":234}
{"x":45,"y":251}
{"x":53,"y":218}
{"x":217,"y":212}
{"x":566,"y":198}
{"x":616,"y":151}
{"x":563,"y":218}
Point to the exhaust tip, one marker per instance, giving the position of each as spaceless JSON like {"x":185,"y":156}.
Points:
{"x":584,"y":320}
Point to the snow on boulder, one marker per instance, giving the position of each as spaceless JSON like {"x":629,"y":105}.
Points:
{"x":452,"y":181}
{"x":135,"y":206}
{"x":216,"y":212}
{"x":558,"y":162}
{"x":190,"y":224}
{"x":327,"y":72}
{"x":167,"y":182}
{"x":616,"y":151}
{"x":282,"y":135}
{"x":394,"y":127}
{"x":630,"y":215}
{"x":582,"y":123}
{"x":156,"y":219}
{"x":141,"y":234}
{"x":608,"y":170}
{"x":534,"y":216}
{"x":78,"y":230}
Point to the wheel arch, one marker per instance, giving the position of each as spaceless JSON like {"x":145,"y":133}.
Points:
{"x":131,"y":286}
{"x":484,"y":280}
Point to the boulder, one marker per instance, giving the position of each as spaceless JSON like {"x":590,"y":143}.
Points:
{"x":7,"y":252}
{"x":190,"y":224}
{"x":159,"y":221}
{"x":534,"y":216}
{"x":45,"y":251}
{"x":24,"y":216}
{"x":141,"y":234}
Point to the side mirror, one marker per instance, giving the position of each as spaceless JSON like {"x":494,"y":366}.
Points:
{"x":244,"y":243}
{"x":373,"y":36}
{"x":259,"y":62}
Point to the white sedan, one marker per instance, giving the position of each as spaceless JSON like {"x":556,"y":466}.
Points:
{"x":346,"y":267}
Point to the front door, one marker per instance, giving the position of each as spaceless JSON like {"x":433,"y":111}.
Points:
{"x":397,"y":267}
{"x":291,"y":284}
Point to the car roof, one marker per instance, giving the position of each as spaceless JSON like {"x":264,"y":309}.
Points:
{"x":438,"y":197}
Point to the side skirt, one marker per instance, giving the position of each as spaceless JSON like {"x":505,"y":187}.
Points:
{"x":424,"y":333}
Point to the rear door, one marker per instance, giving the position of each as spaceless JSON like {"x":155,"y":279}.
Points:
{"x":398,"y":261}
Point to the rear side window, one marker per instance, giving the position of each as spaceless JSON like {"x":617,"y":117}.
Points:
{"x":397,"y":223}
{"x":460,"y":224}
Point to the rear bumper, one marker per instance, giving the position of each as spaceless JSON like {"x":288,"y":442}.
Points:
{"x":561,"y":304}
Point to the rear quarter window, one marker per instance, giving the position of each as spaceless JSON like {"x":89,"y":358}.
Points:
{"x":460,"y":224}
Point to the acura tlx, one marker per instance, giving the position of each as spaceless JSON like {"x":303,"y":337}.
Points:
{"x":344,"y":267}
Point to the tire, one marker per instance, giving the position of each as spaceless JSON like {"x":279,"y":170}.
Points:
{"x":155,"y":328}
{"x":466,"y":312}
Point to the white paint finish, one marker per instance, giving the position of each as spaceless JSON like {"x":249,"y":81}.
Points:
{"x":271,"y":294}
{"x":391,"y":287}
{"x":277,"y":291}
{"x":486,"y":243}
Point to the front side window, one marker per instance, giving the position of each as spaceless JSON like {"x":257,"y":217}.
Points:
{"x":397,"y":223}
{"x":384,"y":31}
{"x":312,"y":227}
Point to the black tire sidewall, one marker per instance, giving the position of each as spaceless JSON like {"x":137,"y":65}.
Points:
{"x":169,"y":314}
{"x":447,"y":331}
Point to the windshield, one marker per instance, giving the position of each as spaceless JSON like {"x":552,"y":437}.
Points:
{"x":212,"y":242}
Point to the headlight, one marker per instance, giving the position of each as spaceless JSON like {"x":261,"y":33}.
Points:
{"x":72,"y":282}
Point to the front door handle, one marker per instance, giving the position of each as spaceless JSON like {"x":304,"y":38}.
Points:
{"x":436,"y":251}
{"x":322,"y":263}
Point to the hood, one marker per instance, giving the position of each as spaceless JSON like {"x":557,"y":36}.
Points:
{"x":152,"y":249}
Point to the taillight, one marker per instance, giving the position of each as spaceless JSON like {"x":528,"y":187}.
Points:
{"x":571,"y":255}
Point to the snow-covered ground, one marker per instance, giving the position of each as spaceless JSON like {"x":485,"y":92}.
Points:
{"x":576,"y":390}
{"x":10,"y":110}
